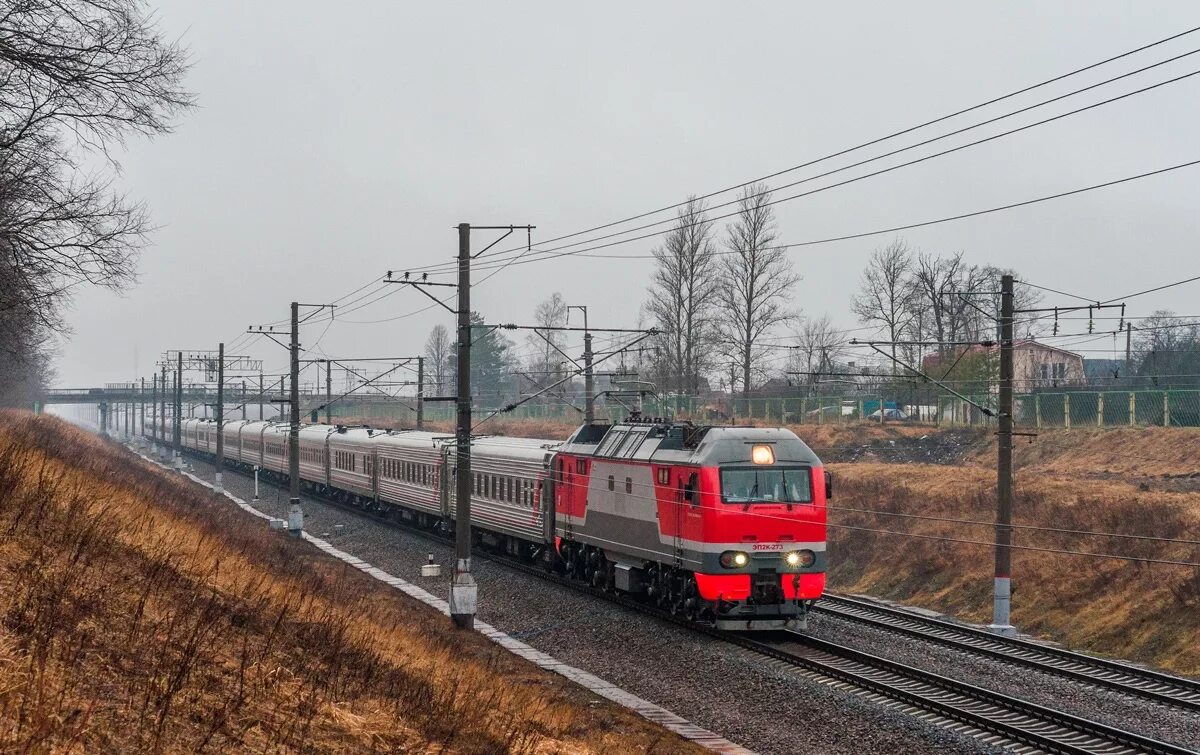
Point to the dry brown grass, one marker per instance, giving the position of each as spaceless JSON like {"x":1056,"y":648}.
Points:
{"x":138,"y":614}
{"x":1131,"y":609}
{"x":1131,"y":451}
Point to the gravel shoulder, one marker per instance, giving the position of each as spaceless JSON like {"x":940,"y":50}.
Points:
{"x":720,"y":687}
{"x":1168,"y":723}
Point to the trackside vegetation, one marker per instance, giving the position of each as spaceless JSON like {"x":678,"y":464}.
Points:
{"x":139,"y":613}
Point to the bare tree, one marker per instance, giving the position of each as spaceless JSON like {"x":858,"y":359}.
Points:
{"x":438,"y":354}
{"x":546,"y":344}
{"x":937,"y":280}
{"x":680,"y":300}
{"x":887,"y":291}
{"x":76,"y":76}
{"x":819,"y":347}
{"x":755,"y":276}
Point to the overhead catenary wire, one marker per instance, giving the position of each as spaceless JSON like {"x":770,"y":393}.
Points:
{"x":872,"y":142}
{"x":889,"y":169}
{"x":926,"y":223}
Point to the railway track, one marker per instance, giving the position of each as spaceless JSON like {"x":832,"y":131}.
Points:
{"x":1085,"y":669}
{"x":990,"y":717}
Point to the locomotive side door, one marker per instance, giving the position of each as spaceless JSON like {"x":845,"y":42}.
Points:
{"x":681,"y":502}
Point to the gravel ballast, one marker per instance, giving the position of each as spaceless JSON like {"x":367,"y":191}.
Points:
{"x":726,"y":689}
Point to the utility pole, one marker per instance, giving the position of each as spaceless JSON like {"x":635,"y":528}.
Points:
{"x":295,"y":520}
{"x":329,"y":391}
{"x":464,"y":593}
{"x":589,"y":378}
{"x":142,"y":406}
{"x":1128,"y":348}
{"x":420,"y":393}
{"x":220,"y":415}
{"x":154,"y":410}
{"x":177,"y":432}
{"x":1002,"y":596}
{"x":162,"y":431}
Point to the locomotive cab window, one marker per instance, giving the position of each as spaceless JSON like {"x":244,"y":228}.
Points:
{"x":749,"y":485}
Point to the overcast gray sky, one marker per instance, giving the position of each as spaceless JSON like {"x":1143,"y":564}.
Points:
{"x":335,"y":141}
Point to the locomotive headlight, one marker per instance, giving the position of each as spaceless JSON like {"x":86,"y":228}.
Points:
{"x":762,"y":455}
{"x":734,"y":559}
{"x":800,"y":558}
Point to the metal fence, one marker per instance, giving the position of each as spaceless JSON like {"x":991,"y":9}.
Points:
{"x":1065,"y":409}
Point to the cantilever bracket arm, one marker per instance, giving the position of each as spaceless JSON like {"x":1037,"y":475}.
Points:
{"x":554,"y":346}
{"x":268,"y":334}
{"x":439,"y":302}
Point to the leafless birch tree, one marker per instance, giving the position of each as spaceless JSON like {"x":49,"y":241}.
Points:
{"x":681,"y":298}
{"x":886,"y":294}
{"x":438,"y":352}
{"x":755,"y":278}
{"x":819,"y":347}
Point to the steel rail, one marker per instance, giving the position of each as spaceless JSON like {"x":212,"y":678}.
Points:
{"x":1079,"y":667}
{"x":991,"y":717}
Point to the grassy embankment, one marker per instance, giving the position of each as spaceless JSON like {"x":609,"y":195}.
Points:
{"x":138,"y":613}
{"x":1134,"y":481}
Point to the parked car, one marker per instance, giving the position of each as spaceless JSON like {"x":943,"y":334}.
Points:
{"x":890,"y":414}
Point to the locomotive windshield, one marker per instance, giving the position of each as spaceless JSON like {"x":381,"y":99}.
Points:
{"x":748,"y":485}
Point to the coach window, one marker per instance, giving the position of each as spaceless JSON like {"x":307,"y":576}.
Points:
{"x":581,"y":466}
{"x":628,"y":484}
{"x":611,"y":483}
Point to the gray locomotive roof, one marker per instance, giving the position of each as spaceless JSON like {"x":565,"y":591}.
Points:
{"x":717,"y":445}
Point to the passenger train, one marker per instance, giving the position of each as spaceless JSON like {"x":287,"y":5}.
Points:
{"x":724,"y":525}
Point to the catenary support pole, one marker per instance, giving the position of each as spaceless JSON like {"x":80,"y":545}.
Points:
{"x":464,"y":593}
{"x":243,"y":400}
{"x":1001,"y":605}
{"x":141,"y":408}
{"x":1128,"y":348}
{"x":261,"y":396}
{"x":177,"y":433}
{"x":295,"y":520}
{"x":420,"y":393}
{"x":589,"y":377}
{"x":162,"y":431}
{"x":154,"y":411}
{"x":220,"y":417}
{"x":329,"y":391}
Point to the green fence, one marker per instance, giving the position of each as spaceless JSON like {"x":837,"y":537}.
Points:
{"x":799,"y":410}
{"x":1066,"y":409}
{"x":1163,"y":408}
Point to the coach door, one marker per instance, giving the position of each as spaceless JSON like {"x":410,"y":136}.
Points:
{"x":445,"y":480}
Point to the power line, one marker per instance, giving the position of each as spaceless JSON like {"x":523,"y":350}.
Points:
{"x":864,"y":145}
{"x":926,"y":223}
{"x":882,"y":171}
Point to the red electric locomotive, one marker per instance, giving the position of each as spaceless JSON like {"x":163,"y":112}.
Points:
{"x":721,"y":524}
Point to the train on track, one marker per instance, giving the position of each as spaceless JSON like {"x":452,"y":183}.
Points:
{"x":724,"y":525}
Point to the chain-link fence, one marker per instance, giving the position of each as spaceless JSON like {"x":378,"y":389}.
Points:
{"x":1163,"y":408}
{"x":1065,"y":409}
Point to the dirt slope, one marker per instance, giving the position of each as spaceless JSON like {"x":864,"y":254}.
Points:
{"x":139,"y":615}
{"x":1127,"y":608}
